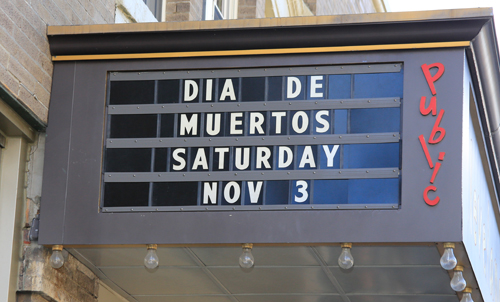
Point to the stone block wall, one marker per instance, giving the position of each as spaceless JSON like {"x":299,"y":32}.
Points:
{"x":183,"y":10}
{"x":38,"y":281}
{"x":25,"y":64}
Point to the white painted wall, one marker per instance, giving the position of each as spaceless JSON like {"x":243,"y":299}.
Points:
{"x":480,"y":212}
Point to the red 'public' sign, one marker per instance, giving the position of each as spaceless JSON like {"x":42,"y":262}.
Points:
{"x":438,"y":133}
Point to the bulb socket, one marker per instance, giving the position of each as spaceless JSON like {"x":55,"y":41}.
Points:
{"x":459,"y":268}
{"x":247,"y":246}
{"x":346,"y":244}
{"x":449,"y":245}
{"x":152,"y":246}
{"x":57,"y":247}
{"x":467,"y":290}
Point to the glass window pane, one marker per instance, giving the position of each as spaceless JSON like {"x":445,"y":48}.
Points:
{"x":175,"y":194}
{"x":117,"y":194}
{"x":330,"y":191}
{"x":161,"y":156}
{"x":378,"y":85}
{"x":366,"y":191}
{"x":371,"y":156}
{"x":132,"y":92}
{"x":168,"y":91}
{"x":253,"y":89}
{"x":128,"y":160}
{"x":339,"y":86}
{"x":375,"y":120}
{"x":277,"y":192}
{"x":167,"y":125}
{"x":275,"y":92}
{"x":133,"y":126}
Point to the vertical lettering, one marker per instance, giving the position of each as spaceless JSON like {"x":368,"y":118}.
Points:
{"x":432,"y":79}
{"x":432,"y":106}
{"x":436,"y":129}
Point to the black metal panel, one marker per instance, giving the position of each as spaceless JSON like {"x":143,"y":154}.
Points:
{"x":56,"y":168}
{"x":264,"y":38}
{"x":413,"y":222}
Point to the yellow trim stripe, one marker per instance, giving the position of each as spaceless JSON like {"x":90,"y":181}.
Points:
{"x":252,"y":52}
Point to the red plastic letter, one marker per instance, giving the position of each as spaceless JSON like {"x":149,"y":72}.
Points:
{"x":436,"y":129}
{"x":432,"y":79}
{"x":432,"y":106}
{"x":431,"y":202}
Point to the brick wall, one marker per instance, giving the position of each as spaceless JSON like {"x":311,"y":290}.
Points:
{"x":25,"y":64}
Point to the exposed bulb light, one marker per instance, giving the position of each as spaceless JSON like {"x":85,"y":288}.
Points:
{"x":448,"y":260}
{"x":466,"y":295}
{"x":458,"y":283}
{"x":151,"y":261}
{"x":57,"y":258}
{"x":346,"y":261}
{"x":246,"y":259}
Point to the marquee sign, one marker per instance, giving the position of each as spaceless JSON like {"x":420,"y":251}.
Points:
{"x":269,"y":138}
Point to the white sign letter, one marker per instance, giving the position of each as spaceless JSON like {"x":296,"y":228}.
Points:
{"x":200,"y":160}
{"x":221,"y":152}
{"x":234,"y":122}
{"x":236,"y":193}
{"x":307,"y":158}
{"x":179,"y":159}
{"x":188,"y":96}
{"x":281,"y":156}
{"x":213,"y":128}
{"x":263,"y":154}
{"x":189,"y":126}
{"x":242,"y":165}
{"x":322,"y":121}
{"x":315,"y":85}
{"x":290,"y":92}
{"x":304,"y":124}
{"x":210,"y":192}
{"x":254,"y":192}
{"x":330,"y":154}
{"x":278,"y":116}
{"x":228,"y":91}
